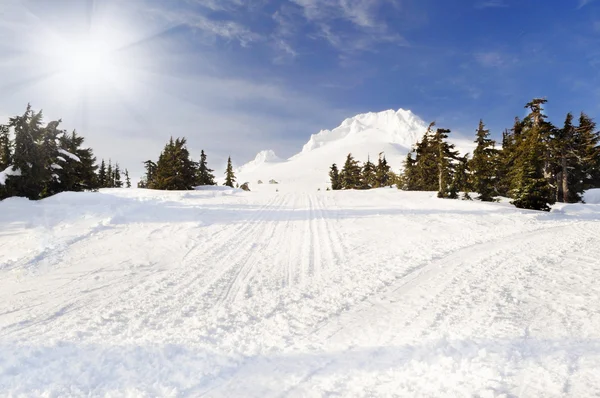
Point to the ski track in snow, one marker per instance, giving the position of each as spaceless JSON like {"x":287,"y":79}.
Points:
{"x":291,"y":294}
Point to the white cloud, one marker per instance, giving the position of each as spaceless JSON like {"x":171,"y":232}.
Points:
{"x":583,"y":3}
{"x":491,"y":4}
{"x":495,"y":59}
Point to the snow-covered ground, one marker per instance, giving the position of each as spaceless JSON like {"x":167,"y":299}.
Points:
{"x":226,"y":293}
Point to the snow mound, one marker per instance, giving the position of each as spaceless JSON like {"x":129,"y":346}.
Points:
{"x":592,"y":196}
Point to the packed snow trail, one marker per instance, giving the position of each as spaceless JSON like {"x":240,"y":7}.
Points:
{"x":224,"y":293}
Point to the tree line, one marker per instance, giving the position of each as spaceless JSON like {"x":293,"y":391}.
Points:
{"x":537,"y":165}
{"x":176,"y":170}
{"x":39,"y":160}
{"x":367,"y":176}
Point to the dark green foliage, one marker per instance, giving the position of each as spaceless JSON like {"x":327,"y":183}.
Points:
{"x":5,"y":147}
{"x":408,"y":179}
{"x":150,"y":167}
{"x":174,"y":170}
{"x":229,"y":175}
{"x":382,"y":173}
{"x":127,"y":179}
{"x":102,"y":176}
{"x":205,"y":176}
{"x":369,"y":176}
{"x":484,"y":165}
{"x":532,"y":181}
{"x":460,"y":179}
{"x":336,"y":180}
{"x":49,"y":160}
{"x":77,"y":171}
{"x":586,"y":174}
{"x":421,"y":171}
{"x":110,"y":176}
{"x":117,"y":177}
{"x":351,"y":174}
{"x":446,"y":155}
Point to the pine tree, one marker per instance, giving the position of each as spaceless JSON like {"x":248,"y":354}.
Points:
{"x":531,"y":180}
{"x":460,"y":179}
{"x":426,"y":163}
{"x":483,"y":166}
{"x":587,"y":152}
{"x":446,"y":155}
{"x":511,"y":141}
{"x":102,"y":175}
{"x":117,"y":177}
{"x":174,"y":170}
{"x":77,"y":170}
{"x":148,"y":179}
{"x":408,"y":177}
{"x":127,"y":179}
{"x":229,"y":175}
{"x":369,"y":175}
{"x":5,"y":147}
{"x":205,"y":176}
{"x":351,"y":174}
{"x":110,"y":176}
{"x":28,"y":159}
{"x":334,"y":175}
{"x":382,"y":173}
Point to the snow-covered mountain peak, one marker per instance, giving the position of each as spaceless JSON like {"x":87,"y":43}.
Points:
{"x":266,"y":156}
{"x":398,"y":127}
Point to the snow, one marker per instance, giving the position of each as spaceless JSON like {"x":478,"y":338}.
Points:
{"x":69,"y":155}
{"x":218,"y":292}
{"x":392,"y":133}
{"x":9,"y":171}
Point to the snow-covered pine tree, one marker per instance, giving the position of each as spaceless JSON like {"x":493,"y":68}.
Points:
{"x":229,"y":175}
{"x":483,"y":166}
{"x":334,"y":176}
{"x":351,"y":174}
{"x":587,"y":152}
{"x":27,"y":158}
{"x":127,"y":179}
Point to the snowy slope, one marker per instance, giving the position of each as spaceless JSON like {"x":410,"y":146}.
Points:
{"x":223,"y":293}
{"x":390,"y":132}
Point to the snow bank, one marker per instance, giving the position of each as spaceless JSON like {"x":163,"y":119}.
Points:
{"x":9,"y":171}
{"x":592,"y":196}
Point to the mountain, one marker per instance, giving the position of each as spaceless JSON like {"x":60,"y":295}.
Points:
{"x":366,"y":135}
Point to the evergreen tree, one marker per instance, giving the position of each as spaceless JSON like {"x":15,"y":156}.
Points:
{"x":110,"y":176}
{"x":483,"y":166}
{"x":28,"y":159}
{"x":531,"y":180}
{"x":408,"y":177}
{"x":117,"y":177}
{"x":77,"y":171}
{"x":174,"y":170}
{"x":369,"y":176}
{"x":229,"y":175}
{"x":205,"y":176}
{"x":587,"y":153}
{"x":382,"y":173}
{"x":102,"y":175}
{"x":426,"y":163}
{"x":351,"y":174}
{"x":460,"y":180}
{"x":5,"y":147}
{"x":148,"y":179}
{"x":511,"y":141}
{"x":334,"y":175}
{"x":446,"y":155}
{"x":127,"y":179}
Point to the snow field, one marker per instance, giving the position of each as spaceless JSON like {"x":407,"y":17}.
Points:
{"x":366,"y":293}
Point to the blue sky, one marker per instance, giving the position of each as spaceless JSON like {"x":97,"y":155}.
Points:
{"x":238,"y":76}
